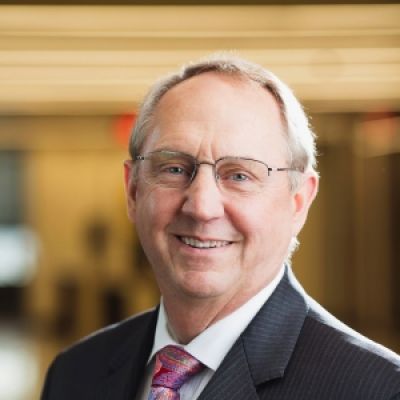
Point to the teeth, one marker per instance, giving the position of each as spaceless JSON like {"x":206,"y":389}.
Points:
{"x":206,"y":244}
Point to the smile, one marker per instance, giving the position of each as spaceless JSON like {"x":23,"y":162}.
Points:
{"x":203,"y":244}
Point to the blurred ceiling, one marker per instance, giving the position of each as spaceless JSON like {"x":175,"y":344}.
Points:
{"x":193,"y":2}
{"x":91,"y":59}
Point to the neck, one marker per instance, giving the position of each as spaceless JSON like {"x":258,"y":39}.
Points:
{"x":187,"y":319}
{"x":189,"y":315}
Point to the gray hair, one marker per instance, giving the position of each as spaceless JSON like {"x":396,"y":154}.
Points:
{"x":299,"y":136}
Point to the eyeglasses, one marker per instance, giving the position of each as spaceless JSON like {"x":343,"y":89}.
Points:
{"x":173,"y":169}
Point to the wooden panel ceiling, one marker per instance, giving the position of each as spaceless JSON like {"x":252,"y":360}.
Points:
{"x":191,"y":2}
{"x":101,"y":59}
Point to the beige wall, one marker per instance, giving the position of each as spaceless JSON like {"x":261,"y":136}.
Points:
{"x":73,"y":178}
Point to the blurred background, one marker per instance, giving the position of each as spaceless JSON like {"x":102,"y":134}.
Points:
{"x":71,"y":79}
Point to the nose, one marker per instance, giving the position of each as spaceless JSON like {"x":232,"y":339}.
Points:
{"x":203,"y":200}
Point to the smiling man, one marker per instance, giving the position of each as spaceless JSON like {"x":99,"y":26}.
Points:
{"x":219,"y":185}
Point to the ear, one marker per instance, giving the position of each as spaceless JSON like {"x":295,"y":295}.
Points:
{"x":302,"y":200}
{"x":130,"y":189}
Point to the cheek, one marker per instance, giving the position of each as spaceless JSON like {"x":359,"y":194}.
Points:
{"x":152,"y":216}
{"x":264,"y":221}
{"x":155,"y":209}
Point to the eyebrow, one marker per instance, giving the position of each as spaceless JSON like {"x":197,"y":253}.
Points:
{"x":197,"y":159}
{"x":172,"y":151}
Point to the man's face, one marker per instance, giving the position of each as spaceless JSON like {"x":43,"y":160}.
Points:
{"x":202,"y":242}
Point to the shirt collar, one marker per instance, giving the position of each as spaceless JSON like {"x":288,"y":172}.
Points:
{"x":212,"y":345}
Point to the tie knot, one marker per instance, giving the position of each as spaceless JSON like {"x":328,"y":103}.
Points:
{"x":174,"y":366}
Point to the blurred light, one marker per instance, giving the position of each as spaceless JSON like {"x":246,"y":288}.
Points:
{"x":18,"y":366}
{"x":378,"y":134}
{"x":18,"y":255}
{"x":123,"y":128}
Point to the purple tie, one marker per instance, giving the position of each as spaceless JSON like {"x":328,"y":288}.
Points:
{"x":174,"y":366}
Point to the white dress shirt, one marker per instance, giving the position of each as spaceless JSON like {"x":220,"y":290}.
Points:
{"x":210,"y":346}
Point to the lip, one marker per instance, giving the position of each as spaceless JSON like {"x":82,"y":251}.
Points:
{"x":201,"y":238}
{"x":201,"y":243}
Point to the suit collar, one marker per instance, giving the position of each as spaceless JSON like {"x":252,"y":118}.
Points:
{"x":270,"y":339}
{"x":233,"y":379}
{"x":126,"y":367}
{"x":263,"y":351}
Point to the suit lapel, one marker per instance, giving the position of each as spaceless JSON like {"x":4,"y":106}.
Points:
{"x":126,"y":368}
{"x":263,"y":351}
{"x":271,"y":337}
{"x":232,"y":380}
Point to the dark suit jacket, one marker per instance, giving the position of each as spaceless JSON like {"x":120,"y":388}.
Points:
{"x":292,"y":350}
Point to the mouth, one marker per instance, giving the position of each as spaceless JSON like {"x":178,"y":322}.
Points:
{"x":203,"y":244}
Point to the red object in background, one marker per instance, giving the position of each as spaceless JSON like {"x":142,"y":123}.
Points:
{"x":123,"y":128}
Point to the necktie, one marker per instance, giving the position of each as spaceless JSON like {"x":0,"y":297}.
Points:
{"x":174,"y":366}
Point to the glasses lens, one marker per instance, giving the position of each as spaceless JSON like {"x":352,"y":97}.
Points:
{"x":168,"y":168}
{"x":240,"y":175}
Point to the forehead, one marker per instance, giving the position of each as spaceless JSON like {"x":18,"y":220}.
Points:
{"x":217,"y":113}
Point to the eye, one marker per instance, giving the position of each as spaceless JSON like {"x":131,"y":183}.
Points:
{"x":174,"y":170}
{"x":234,"y":175}
{"x":239,"y":177}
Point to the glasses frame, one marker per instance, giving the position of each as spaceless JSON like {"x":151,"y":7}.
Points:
{"x":197,"y":163}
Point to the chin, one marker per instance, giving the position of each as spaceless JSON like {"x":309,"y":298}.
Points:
{"x":201,"y":287}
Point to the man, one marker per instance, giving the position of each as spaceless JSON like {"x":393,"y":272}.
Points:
{"x":220,"y":182}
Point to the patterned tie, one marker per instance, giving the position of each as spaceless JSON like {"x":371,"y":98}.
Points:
{"x":174,"y":366}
